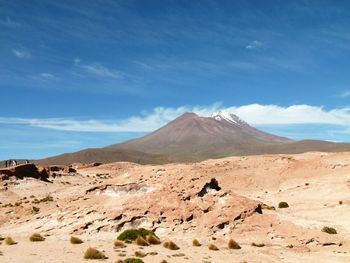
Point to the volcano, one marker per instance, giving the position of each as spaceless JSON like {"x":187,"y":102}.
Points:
{"x":192,"y":138}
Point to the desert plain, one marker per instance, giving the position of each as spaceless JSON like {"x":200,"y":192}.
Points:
{"x":212,"y":201}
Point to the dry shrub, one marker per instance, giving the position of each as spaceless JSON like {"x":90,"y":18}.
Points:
{"x":213,"y":247}
{"x":171,"y":245}
{"x":151,"y":239}
{"x":9,"y":241}
{"x":283,"y":205}
{"x":119,"y":244}
{"x":329,"y":230}
{"x":258,"y":244}
{"x":36,"y":237}
{"x":141,"y":241}
{"x":140,"y":254}
{"x":76,"y":240}
{"x":93,"y":253}
{"x":196,"y":243}
{"x":233,"y":244}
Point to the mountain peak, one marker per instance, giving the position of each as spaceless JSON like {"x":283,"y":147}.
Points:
{"x":227,"y":116}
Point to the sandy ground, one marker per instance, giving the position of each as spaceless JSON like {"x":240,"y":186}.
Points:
{"x":98,"y":203}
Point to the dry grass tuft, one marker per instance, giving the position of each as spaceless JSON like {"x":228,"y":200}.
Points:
{"x":36,"y":237}
{"x":151,"y":239}
{"x":93,"y":253}
{"x":258,"y":244}
{"x":170,"y":245}
{"x":9,"y":241}
{"x":140,"y":254}
{"x":119,"y":244}
{"x":141,"y":241}
{"x":233,"y":244}
{"x":213,"y":247}
{"x":76,"y":240}
{"x":196,"y":243}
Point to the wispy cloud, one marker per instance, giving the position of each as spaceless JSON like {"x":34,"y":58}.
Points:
{"x":254,"y":44}
{"x":48,"y":76}
{"x":98,"y":70}
{"x":8,"y":22}
{"x":345,"y":94}
{"x":255,"y":114}
{"x":21,"y":53}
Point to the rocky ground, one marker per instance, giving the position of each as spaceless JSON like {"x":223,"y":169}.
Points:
{"x":212,"y":201}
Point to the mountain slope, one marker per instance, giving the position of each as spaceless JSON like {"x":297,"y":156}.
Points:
{"x":104,"y":155}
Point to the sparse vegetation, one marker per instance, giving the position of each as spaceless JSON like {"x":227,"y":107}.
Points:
{"x":46,"y":199}
{"x":93,"y":253}
{"x":329,"y":230}
{"x":132,"y":234}
{"x":36,"y":237}
{"x":119,"y":244}
{"x":170,"y":245}
{"x":233,"y":244}
{"x":9,"y":241}
{"x":76,"y":240}
{"x":151,"y":239}
{"x":211,"y":246}
{"x":290,"y":246}
{"x":340,"y":202}
{"x":196,"y":243}
{"x":283,"y":205}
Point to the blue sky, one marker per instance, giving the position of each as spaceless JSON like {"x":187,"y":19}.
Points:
{"x":77,"y":74}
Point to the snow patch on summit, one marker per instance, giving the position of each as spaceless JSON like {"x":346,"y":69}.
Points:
{"x":227,"y":116}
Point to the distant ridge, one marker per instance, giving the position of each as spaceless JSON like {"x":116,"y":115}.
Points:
{"x":192,"y":138}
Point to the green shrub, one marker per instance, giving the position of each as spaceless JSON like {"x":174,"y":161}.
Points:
{"x":93,"y":253}
{"x":283,"y":205}
{"x":36,"y":237}
{"x":9,"y":241}
{"x":233,"y":244}
{"x":196,"y":243}
{"x":132,"y":234}
{"x":35,"y":209}
{"x":329,"y":230}
{"x":213,"y":247}
{"x":76,"y":240}
{"x":170,"y":245}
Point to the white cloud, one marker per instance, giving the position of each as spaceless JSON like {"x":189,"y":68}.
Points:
{"x":21,"y":53}
{"x":254,"y":44}
{"x":254,"y":114}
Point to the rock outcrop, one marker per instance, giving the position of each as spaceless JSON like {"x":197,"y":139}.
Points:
{"x":24,"y":170}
